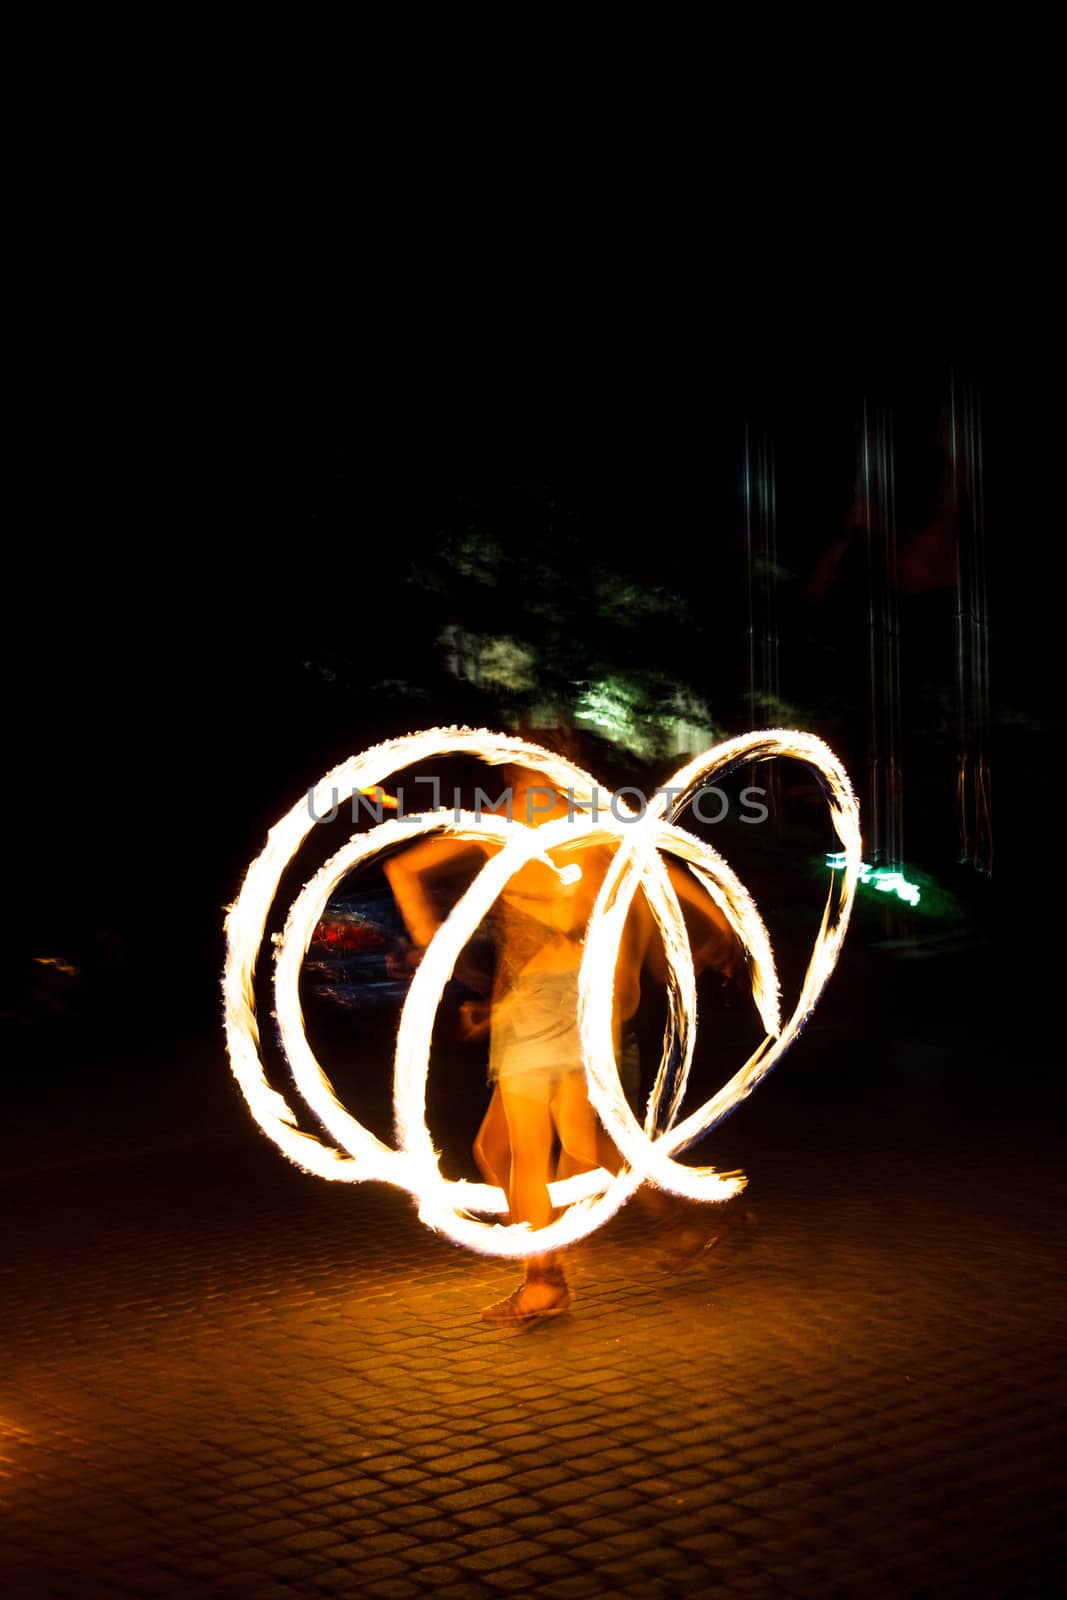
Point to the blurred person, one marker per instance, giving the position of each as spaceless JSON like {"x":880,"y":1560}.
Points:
{"x":531,"y":1020}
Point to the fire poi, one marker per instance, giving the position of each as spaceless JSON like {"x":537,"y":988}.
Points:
{"x":640,"y":840}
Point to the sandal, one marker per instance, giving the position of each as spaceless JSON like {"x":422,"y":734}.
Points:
{"x":511,"y":1310}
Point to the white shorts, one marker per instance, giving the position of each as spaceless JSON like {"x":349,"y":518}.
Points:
{"x":533,"y":1035}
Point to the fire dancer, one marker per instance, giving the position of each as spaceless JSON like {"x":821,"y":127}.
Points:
{"x":535,"y":1054}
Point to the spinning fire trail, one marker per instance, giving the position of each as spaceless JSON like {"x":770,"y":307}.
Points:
{"x":453,"y":1207}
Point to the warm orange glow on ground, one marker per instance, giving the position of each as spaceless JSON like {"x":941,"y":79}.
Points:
{"x":13,"y":1438}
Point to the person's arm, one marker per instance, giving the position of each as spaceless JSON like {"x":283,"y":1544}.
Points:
{"x":637,"y":936}
{"x":410,"y":874}
{"x":711,"y":939}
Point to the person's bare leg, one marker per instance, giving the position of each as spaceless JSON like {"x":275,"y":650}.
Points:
{"x":584,"y":1143}
{"x":530,"y":1131}
{"x":607,"y":1156}
{"x":492,"y":1147}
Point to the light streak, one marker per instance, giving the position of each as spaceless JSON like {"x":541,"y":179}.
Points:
{"x":884,"y":879}
{"x":58,"y":963}
{"x":378,"y":795}
{"x":639,"y":843}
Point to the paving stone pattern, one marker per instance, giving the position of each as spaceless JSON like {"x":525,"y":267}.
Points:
{"x":224,"y":1377}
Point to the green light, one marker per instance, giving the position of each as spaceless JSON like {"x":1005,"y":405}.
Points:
{"x":880,"y":878}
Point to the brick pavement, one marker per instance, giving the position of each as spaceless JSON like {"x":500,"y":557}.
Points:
{"x":222,"y":1377}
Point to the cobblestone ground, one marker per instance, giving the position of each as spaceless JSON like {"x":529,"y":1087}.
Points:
{"x":222,"y":1377}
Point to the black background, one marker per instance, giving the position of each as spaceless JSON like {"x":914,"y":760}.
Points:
{"x":209,"y":526}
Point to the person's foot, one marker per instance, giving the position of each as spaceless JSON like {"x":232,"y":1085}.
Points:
{"x":696,"y":1234}
{"x":544,"y":1293}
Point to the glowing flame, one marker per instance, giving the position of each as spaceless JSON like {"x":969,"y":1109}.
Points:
{"x":376,"y":793}
{"x":639,"y":842}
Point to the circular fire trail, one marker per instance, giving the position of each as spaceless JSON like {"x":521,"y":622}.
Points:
{"x":639,"y":843}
